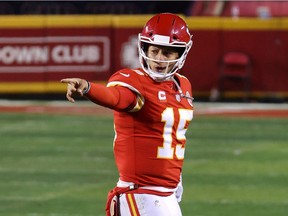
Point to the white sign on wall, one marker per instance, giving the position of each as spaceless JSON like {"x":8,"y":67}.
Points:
{"x":54,"y":54}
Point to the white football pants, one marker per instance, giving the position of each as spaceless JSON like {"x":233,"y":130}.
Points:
{"x":149,"y":205}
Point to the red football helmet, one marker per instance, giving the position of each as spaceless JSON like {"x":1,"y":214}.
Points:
{"x":164,"y":29}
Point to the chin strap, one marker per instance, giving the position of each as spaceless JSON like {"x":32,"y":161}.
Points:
{"x":180,"y":90}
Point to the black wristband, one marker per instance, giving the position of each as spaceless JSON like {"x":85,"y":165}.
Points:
{"x":85,"y":91}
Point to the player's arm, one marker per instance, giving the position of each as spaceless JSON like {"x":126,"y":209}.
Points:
{"x":114,"y":97}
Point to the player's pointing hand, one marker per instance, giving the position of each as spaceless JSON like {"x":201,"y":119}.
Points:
{"x":75,"y":87}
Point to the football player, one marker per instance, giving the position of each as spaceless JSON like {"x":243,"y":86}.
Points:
{"x":152,"y":110}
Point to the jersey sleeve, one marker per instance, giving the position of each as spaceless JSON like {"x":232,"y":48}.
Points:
{"x":117,"y":98}
{"x":129,"y":79}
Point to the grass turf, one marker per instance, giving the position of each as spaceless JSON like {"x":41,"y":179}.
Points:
{"x":63,"y":165}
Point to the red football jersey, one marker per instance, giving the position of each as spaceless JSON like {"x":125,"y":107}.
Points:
{"x":150,"y":139}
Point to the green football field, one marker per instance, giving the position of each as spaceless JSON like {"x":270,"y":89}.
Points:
{"x":62,"y":165}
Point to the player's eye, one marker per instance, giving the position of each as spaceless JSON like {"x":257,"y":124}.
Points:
{"x":155,"y":51}
{"x":167,"y":53}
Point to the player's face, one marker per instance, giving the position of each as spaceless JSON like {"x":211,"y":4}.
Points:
{"x":160,"y":54}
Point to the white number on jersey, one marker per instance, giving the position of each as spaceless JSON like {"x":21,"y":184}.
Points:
{"x":167,"y":151}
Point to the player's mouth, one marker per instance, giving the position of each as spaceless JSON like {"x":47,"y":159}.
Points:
{"x":160,"y":69}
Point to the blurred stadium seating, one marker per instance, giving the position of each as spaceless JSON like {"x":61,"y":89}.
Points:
{"x":189,"y":8}
{"x":6,"y":8}
{"x":43,"y":7}
{"x":93,"y":7}
{"x":245,"y":8}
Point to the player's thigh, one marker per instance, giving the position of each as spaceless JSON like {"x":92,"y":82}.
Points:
{"x":147,"y":204}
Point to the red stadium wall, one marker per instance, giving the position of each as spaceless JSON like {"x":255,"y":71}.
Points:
{"x":37,"y":51}
{"x":265,"y":41}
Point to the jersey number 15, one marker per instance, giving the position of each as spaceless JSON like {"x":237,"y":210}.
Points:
{"x":168,"y":117}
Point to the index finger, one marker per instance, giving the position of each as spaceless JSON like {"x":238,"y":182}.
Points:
{"x":70,"y":81}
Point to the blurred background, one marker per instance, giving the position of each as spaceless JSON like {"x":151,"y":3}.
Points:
{"x":42,"y":42}
{"x":56,"y":158}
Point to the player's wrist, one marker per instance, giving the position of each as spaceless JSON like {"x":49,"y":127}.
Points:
{"x":87,"y":88}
